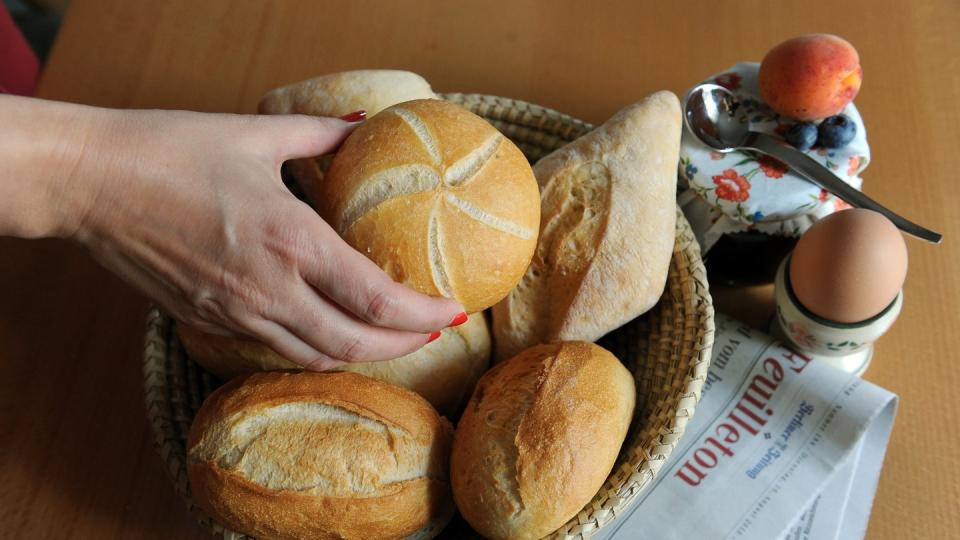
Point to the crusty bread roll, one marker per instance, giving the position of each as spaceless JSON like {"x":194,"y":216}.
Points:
{"x":438,"y":198}
{"x":320,"y":455}
{"x":338,"y":94}
{"x":228,"y":357}
{"x":539,"y":438}
{"x":608,"y":216}
{"x":443,"y":371}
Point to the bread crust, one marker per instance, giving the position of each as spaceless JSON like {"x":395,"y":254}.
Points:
{"x":438,"y":198}
{"x":227,"y":357}
{"x":443,"y":371}
{"x":337,"y":94}
{"x":608,"y":218}
{"x":539,"y":437}
{"x":411,"y":507}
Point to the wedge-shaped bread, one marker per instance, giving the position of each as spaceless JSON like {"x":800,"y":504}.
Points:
{"x":608,"y":213}
{"x":337,"y":94}
{"x":443,"y":371}
{"x":320,"y":455}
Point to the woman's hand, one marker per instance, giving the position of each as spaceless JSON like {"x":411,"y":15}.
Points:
{"x":190,"y":208}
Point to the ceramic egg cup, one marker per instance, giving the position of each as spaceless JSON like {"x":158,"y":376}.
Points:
{"x":847,"y":346}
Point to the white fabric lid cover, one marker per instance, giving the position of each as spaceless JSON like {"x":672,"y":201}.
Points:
{"x":735,"y":192}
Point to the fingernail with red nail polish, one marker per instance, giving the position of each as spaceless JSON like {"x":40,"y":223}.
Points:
{"x":355,"y":116}
{"x":433,"y":337}
{"x":458,"y":320}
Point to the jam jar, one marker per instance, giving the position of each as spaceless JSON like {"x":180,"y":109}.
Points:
{"x":748,"y":210}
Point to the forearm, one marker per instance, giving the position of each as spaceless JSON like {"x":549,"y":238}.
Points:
{"x":43,"y":146}
{"x":190,"y":208}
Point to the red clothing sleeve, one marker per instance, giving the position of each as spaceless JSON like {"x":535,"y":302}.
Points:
{"x":19,"y":68}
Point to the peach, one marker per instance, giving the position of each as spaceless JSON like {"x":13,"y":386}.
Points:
{"x":810,"y":77}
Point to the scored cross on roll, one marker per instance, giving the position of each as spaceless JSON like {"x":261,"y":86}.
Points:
{"x":438,"y":198}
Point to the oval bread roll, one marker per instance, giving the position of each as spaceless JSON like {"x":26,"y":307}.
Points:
{"x":539,"y":438}
{"x":438,"y":198}
{"x":608,"y":219}
{"x":338,"y":94}
{"x":229,"y":357}
{"x":320,"y":455}
{"x":443,"y":371}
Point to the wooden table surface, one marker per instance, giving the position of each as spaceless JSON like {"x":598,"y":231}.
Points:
{"x":76,"y":457}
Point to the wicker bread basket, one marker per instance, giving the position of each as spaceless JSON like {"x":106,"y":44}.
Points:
{"x":668,"y":349}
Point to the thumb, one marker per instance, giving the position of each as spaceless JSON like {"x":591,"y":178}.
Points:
{"x":302,"y":136}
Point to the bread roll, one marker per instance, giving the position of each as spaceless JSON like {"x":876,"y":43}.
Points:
{"x":228,"y":357}
{"x":320,"y":455}
{"x":539,"y":438}
{"x":443,"y":371}
{"x":607,"y":225}
{"x":438,"y":198}
{"x":338,"y":94}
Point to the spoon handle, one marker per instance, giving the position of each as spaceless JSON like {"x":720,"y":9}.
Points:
{"x":816,"y":173}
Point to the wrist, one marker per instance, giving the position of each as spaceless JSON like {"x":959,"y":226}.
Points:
{"x":46,"y":182}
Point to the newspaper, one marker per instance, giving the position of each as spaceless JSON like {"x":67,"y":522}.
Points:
{"x":781,"y":447}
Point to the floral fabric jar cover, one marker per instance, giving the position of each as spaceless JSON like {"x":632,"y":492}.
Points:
{"x":739,"y":191}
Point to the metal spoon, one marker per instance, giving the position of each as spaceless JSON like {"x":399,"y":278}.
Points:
{"x":710,"y":114}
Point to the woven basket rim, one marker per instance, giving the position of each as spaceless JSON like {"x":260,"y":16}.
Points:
{"x":540,"y":130}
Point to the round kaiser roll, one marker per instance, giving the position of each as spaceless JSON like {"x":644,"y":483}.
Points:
{"x":320,"y":455}
{"x":443,"y":371}
{"x":438,"y":198}
{"x":539,"y":437}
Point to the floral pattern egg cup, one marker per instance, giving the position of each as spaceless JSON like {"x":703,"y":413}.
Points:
{"x":847,"y":346}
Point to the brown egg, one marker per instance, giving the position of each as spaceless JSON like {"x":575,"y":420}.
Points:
{"x":849,"y":266}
